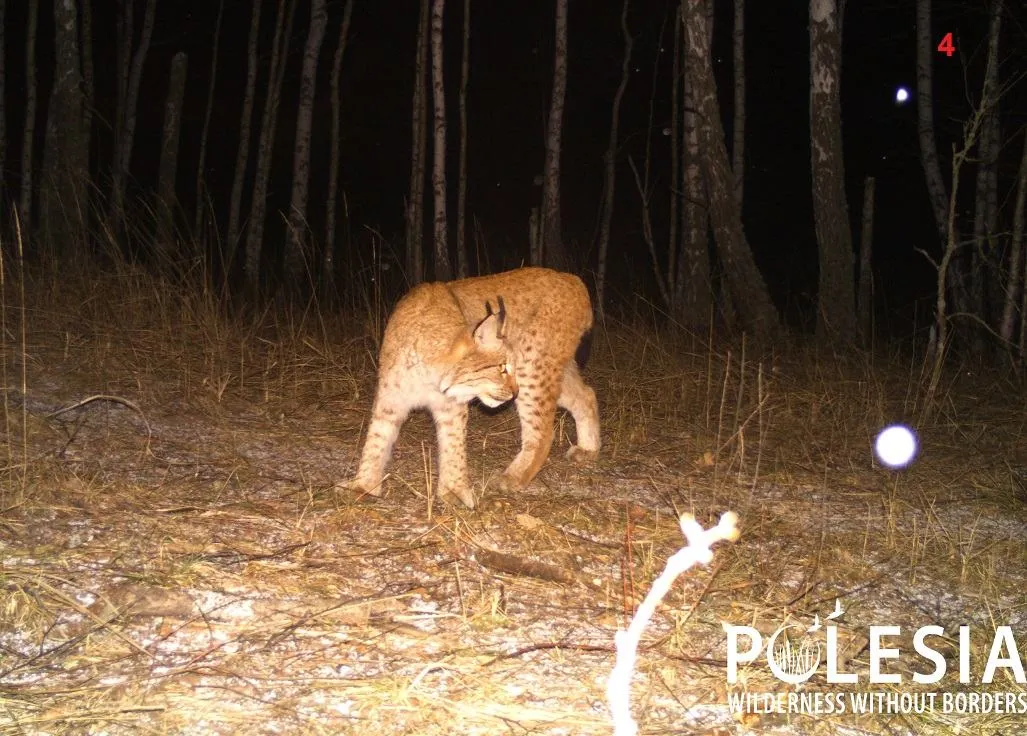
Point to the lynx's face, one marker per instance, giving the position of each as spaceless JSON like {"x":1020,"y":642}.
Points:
{"x":482,"y":366}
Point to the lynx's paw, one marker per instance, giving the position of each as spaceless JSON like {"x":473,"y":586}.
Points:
{"x":360,"y":487}
{"x":581,"y":456}
{"x":461,"y":493}
{"x":506,"y":483}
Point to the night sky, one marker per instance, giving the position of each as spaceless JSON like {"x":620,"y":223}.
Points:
{"x":511,"y":63}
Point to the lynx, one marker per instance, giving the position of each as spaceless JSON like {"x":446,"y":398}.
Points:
{"x":444,"y":346}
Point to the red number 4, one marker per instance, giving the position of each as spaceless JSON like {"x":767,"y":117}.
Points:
{"x":946,"y":46}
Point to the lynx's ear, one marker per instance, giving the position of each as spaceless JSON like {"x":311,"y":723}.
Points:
{"x":490,"y":331}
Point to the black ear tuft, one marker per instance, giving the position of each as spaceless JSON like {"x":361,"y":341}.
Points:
{"x":502,"y":310}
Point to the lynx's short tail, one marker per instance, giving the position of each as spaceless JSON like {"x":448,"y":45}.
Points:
{"x":584,"y":349}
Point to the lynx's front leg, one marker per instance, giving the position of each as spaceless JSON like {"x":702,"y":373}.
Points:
{"x":536,"y":407}
{"x":451,"y":428}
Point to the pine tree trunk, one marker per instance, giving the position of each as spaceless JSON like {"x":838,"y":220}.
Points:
{"x":88,"y":77}
{"x":461,"y":200}
{"x":748,"y":291}
{"x":242,"y":155}
{"x":418,"y":153}
{"x":28,"y":131}
{"x":65,"y":158}
{"x":265,"y":147}
{"x":866,"y":276}
{"x":551,"y":230}
{"x":443,"y":270}
{"x":986,"y":193}
{"x":610,"y":159}
{"x":3,"y":98}
{"x":694,"y":288}
{"x":673,"y":236}
{"x":738,"y":133}
{"x":200,"y":186}
{"x":1014,"y":280}
{"x":925,"y":50}
{"x":836,"y":313}
{"x":126,"y":133}
{"x":297,"y":251}
{"x":167,"y":201}
{"x":328,"y":266}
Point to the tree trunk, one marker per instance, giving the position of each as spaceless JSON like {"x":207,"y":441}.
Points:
{"x":126,"y":133}
{"x":461,"y":200}
{"x":443,"y":270}
{"x":65,"y":158}
{"x":1015,"y":279}
{"x":694,"y":289}
{"x":265,"y":147}
{"x":676,"y":198}
{"x":88,"y":77}
{"x":866,"y":276}
{"x":748,"y":292}
{"x":167,"y":201}
{"x":836,"y":313}
{"x":418,"y":151}
{"x":328,"y":268}
{"x":297,"y":255}
{"x":551,"y":231}
{"x":610,"y":159}
{"x":200,"y":186}
{"x":3,"y":98}
{"x":925,"y":50}
{"x":242,"y":155}
{"x":986,"y":193}
{"x":28,"y":132}
{"x":738,"y":132}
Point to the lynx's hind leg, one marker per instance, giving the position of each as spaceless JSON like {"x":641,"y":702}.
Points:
{"x":386,"y":419}
{"x":580,"y":400}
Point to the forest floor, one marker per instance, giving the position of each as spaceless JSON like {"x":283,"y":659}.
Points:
{"x":174,"y":559}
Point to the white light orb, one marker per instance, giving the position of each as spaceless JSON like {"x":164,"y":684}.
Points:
{"x":901,"y":96}
{"x":896,"y":446}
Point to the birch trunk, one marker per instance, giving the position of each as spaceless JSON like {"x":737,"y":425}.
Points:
{"x":265,"y":147}
{"x":610,"y":159}
{"x":242,"y":154}
{"x":748,"y":292}
{"x":200,"y":185}
{"x":328,"y":267}
{"x":443,"y":270}
{"x":418,"y":150}
{"x":297,"y":255}
{"x":836,"y":313}
{"x":461,"y":199}
{"x":552,"y":248}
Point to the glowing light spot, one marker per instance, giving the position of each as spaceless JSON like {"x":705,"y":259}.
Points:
{"x":896,"y":446}
{"x":901,"y":96}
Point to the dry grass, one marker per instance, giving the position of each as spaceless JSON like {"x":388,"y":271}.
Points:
{"x":173,"y":559}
